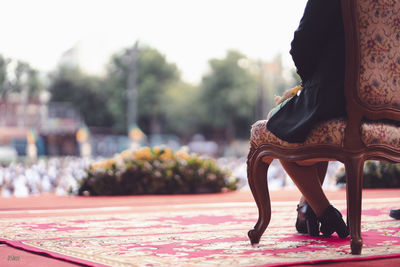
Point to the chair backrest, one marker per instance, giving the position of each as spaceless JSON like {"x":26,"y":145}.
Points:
{"x":372,"y":81}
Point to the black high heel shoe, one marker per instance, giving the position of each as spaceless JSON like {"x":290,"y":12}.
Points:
{"x":331,"y":221}
{"x":307,"y":222}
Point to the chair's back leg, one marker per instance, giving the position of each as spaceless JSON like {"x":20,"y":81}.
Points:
{"x":257,"y":177}
{"x":354,"y":173}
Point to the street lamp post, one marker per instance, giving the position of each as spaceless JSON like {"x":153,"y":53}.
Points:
{"x":132,"y":87}
{"x":134,"y":133}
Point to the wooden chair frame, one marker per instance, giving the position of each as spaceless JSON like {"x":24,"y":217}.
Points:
{"x":353,"y":153}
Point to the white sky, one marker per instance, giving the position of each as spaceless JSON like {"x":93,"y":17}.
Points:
{"x":188,"y":32}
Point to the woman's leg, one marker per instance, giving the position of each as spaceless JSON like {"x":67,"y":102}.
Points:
{"x":307,"y":179}
{"x":322,"y":167}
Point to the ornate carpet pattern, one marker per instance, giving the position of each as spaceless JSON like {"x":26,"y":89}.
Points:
{"x":197,"y":235}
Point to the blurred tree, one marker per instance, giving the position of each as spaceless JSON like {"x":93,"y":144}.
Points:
{"x":182,"y":108}
{"x":84,"y":92}
{"x":227,"y":98}
{"x":154,"y":76}
{"x":222,"y":107}
{"x":4,"y":83}
{"x":18,"y":76}
{"x":26,"y":78}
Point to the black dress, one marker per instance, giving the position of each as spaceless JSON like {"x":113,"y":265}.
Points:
{"x":319,"y":55}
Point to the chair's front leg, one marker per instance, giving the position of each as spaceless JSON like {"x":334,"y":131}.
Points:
{"x":354,"y":173}
{"x":257,"y":177}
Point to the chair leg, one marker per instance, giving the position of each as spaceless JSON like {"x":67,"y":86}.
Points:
{"x":354,"y":174}
{"x":257,"y":177}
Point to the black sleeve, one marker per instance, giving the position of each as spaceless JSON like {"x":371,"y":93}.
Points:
{"x":312,"y":34}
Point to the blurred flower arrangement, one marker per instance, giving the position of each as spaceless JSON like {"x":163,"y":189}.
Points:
{"x":155,"y":170}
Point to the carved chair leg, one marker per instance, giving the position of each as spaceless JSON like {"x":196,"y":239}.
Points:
{"x":257,"y":177}
{"x":354,"y":174}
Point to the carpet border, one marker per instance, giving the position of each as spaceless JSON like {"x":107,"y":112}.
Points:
{"x":327,"y":261}
{"x":49,"y":254}
{"x":55,"y":255}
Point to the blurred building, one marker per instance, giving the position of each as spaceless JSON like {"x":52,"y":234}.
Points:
{"x":54,"y":125}
{"x":59,"y":129}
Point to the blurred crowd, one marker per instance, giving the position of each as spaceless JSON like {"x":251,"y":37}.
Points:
{"x":53,"y":175}
{"x":61,"y":175}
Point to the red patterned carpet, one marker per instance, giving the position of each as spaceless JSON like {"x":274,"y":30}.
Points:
{"x":202,"y":230}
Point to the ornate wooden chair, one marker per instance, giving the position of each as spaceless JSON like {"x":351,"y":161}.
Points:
{"x":372,"y":91}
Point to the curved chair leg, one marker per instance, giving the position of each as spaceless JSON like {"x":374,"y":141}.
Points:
{"x":354,"y":173}
{"x":257,"y":177}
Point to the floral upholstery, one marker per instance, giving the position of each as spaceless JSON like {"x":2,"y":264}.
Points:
{"x":380,"y":134}
{"x":330,"y":133}
{"x":380,"y":53}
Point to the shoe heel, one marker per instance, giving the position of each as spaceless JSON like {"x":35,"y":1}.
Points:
{"x":312,"y":227}
{"x":342,"y":231}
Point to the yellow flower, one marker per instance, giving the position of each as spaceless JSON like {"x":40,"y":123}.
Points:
{"x":110,"y":162}
{"x":96,"y":166}
{"x":167,"y":155}
{"x":126,"y":154}
{"x":101,"y":165}
{"x":157,"y":149}
{"x":143,"y":153}
{"x":182,"y":155}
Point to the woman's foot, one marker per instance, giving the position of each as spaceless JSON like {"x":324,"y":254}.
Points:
{"x":331,"y":221}
{"x":307,"y":222}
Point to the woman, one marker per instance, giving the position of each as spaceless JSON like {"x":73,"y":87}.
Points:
{"x":318,"y":53}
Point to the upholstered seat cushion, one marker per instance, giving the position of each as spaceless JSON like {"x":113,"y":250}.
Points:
{"x":331,"y":132}
{"x":380,"y":134}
